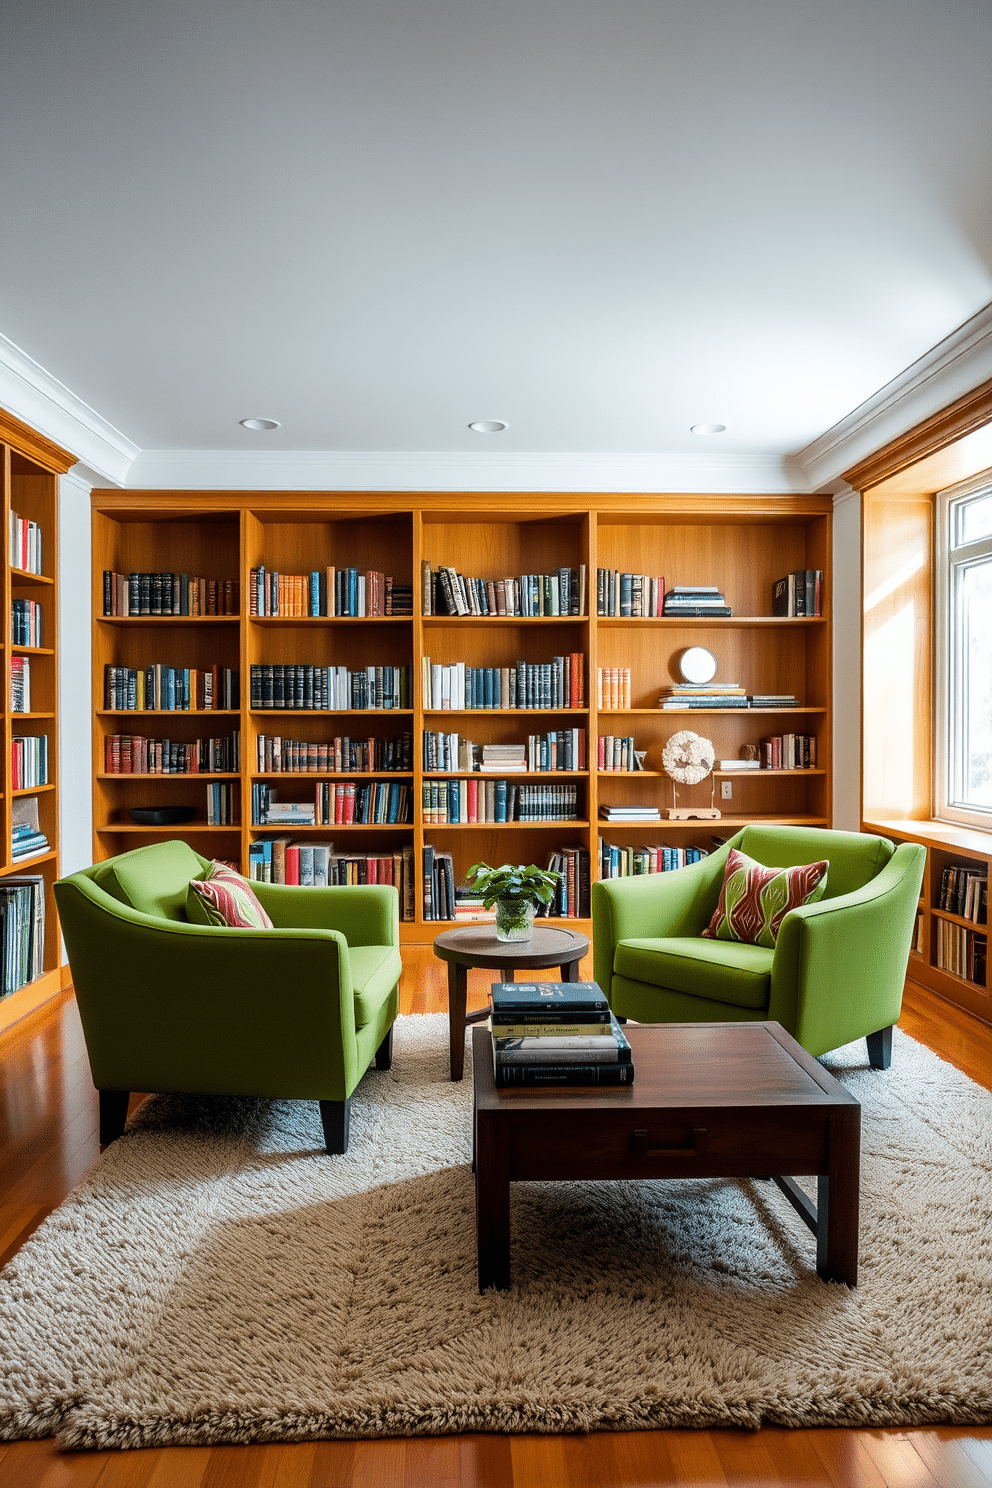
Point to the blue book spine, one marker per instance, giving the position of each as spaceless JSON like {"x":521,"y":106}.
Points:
{"x":315,"y":593}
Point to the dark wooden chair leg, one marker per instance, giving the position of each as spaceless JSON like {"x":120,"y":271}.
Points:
{"x":384,"y":1053}
{"x":113,"y":1115}
{"x":880,"y":1048}
{"x":336,"y":1118}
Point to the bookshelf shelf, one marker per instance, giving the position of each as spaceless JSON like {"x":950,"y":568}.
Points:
{"x":32,"y":790}
{"x":32,"y":650}
{"x":23,"y":576}
{"x":170,"y":621}
{"x":174,"y":775}
{"x":131,"y":829}
{"x":136,"y":713}
{"x":743,"y":543}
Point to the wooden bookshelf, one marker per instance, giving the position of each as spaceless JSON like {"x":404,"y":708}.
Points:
{"x":741,"y":543}
{"x":31,"y":466}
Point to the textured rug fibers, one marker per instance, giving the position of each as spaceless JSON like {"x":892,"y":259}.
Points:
{"x":218,"y":1278}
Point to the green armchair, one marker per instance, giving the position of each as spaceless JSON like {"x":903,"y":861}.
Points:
{"x":296,"y":1012}
{"x":838,"y":967}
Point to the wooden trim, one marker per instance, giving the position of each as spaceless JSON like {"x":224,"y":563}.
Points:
{"x":968,"y":413}
{"x":29,"y":999}
{"x":28,"y":442}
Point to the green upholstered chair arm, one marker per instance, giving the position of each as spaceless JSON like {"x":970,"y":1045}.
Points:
{"x":859,"y":941}
{"x":367,"y":914}
{"x":678,"y":903}
{"x":167,"y":1005}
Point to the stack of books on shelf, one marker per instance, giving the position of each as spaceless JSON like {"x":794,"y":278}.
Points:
{"x":22,"y":941}
{"x":629,"y":594}
{"x":329,"y":689}
{"x":772,"y":700}
{"x":134,"y":754}
{"x":702,"y":695}
{"x":555,"y":684}
{"x":961,"y":951}
{"x":788,"y":752}
{"x":629,"y":862}
{"x":26,"y":623}
{"x":613,"y":688}
{"x":799,"y":593}
{"x":695,"y":601}
{"x":503,"y":757}
{"x":279,"y":755}
{"x":167,"y":594}
{"x":20,"y":684}
{"x":616,"y":753}
{"x":469,"y":907}
{"x":445,"y":591}
{"x":557,"y":1033}
{"x":345,"y":592}
{"x":169,"y":689}
{"x":25,"y":544}
{"x":629,"y":813}
{"x":28,"y":761}
{"x":457,"y":802}
{"x":27,"y":841}
{"x":738,"y":764}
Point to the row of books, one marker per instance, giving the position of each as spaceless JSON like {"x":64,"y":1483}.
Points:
{"x":560,"y":749}
{"x":28,"y":761}
{"x":221,"y":804}
{"x":27,"y":626}
{"x":22,"y":938}
{"x":135,"y":754}
{"x":375,"y":802}
{"x":964,"y":891}
{"x":680,"y":695}
{"x":168,"y":594}
{"x":20,"y":684}
{"x":629,"y":594}
{"x":448,"y":802}
{"x":170,"y":689}
{"x":788,"y":752}
{"x":616,"y":752}
{"x":24,"y":544}
{"x":277,"y":754}
{"x":629,"y":862}
{"x":558,"y":683}
{"x":445,"y":591}
{"x":699,"y":601}
{"x":330,"y":689}
{"x":962,"y":952}
{"x":613,"y":688}
{"x":350,"y":592}
{"x":799,"y":593}
{"x":557,"y":1033}
{"x":281,"y":860}
{"x":27,"y":840}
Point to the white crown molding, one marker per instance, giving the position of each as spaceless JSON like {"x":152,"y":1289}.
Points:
{"x":329,"y":470}
{"x":47,"y":406}
{"x":950,"y":369}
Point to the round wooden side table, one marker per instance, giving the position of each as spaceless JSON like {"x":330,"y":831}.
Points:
{"x":476,"y":945}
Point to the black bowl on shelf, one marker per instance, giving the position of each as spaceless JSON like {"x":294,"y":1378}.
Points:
{"x":161,"y":816}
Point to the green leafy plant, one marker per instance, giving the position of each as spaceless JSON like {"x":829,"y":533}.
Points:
{"x":513,"y":884}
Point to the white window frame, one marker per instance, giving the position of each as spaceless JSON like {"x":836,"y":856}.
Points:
{"x":951,"y":558}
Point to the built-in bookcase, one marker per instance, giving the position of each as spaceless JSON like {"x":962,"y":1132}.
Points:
{"x":31,"y":467}
{"x":741,"y":544}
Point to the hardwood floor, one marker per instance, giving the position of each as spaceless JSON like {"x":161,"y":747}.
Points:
{"x":48,"y":1140}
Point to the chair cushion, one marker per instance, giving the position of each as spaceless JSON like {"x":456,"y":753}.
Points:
{"x":224,"y":897}
{"x":375,"y":970}
{"x":719,"y":970}
{"x":154,"y":879}
{"x":754,"y":899}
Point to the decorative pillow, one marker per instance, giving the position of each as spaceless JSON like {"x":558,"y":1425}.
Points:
{"x":223,"y":897}
{"x":754,"y":899}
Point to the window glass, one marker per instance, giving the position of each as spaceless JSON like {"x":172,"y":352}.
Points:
{"x":974,"y":518}
{"x":975,"y":700}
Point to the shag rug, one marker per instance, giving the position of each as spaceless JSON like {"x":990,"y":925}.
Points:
{"x":218,"y":1278}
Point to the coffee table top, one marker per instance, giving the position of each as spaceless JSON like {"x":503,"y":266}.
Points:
{"x":684,"y":1065}
{"x":476,"y":945}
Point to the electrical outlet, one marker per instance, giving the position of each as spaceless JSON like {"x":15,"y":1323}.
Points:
{"x":726,"y":790}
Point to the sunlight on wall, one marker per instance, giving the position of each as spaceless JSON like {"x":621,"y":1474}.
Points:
{"x":889,"y":708}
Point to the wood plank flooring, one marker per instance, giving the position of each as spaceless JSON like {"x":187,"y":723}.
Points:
{"x":48,"y":1140}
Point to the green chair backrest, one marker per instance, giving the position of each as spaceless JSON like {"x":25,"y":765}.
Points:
{"x":152,"y":879}
{"x":855,"y":857}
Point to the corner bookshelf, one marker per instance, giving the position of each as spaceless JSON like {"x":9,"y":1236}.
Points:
{"x":31,"y":466}
{"x":741,"y":543}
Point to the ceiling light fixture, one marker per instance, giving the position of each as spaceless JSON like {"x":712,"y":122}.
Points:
{"x":488,"y":426}
{"x":708,"y":429}
{"x":260,"y":424}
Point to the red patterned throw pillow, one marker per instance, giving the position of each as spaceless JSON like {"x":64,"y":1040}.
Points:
{"x":223,"y":897}
{"x":754,"y":899}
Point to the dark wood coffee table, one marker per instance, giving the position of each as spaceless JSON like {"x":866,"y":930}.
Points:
{"x":709,"y":1100}
{"x":476,"y":945}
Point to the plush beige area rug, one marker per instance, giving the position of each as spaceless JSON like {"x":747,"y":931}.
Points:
{"x":218,"y":1278}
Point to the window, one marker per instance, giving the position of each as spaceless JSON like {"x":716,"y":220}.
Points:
{"x":964,"y":651}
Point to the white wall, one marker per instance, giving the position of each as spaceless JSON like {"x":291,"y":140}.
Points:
{"x":847,"y":661}
{"x":75,"y":770}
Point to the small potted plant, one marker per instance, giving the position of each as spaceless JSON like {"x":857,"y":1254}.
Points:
{"x":516,"y":892}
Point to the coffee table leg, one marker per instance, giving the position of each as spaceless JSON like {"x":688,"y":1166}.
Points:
{"x":492,"y":1204}
{"x":570,"y":971}
{"x":837,"y":1200}
{"x":457,"y":998}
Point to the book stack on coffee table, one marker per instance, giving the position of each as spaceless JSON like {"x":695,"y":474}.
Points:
{"x":557,"y":1033}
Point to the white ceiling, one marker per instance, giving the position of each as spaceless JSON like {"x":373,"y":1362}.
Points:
{"x":602,"y":222}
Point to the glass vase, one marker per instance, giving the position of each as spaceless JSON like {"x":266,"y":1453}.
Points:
{"x":514,"y":921}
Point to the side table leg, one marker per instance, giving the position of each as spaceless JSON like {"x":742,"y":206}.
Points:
{"x":570,"y":971}
{"x":457,"y":999}
{"x":837,"y":1200}
{"x":492,"y":1204}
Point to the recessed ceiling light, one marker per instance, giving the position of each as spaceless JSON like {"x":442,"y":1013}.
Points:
{"x":488,"y":426}
{"x":260,"y":424}
{"x":708,"y":429}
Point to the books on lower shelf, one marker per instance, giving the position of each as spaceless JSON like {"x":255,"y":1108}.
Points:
{"x":290,"y":861}
{"x":616,"y":861}
{"x":447,"y":802}
{"x":798,"y":593}
{"x":135,"y":754}
{"x":277,"y":754}
{"x":445,"y":591}
{"x":331,"y":591}
{"x":558,"y":683}
{"x":167,"y":594}
{"x":329,"y":689}
{"x":961,"y":951}
{"x":557,"y":1033}
{"x":22,"y":936}
{"x":444,"y":899}
{"x":27,"y":625}
{"x":169,"y":689}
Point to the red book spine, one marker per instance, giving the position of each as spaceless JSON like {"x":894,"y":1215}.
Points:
{"x":473,"y":800}
{"x":292,"y":864}
{"x":349,"y":803}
